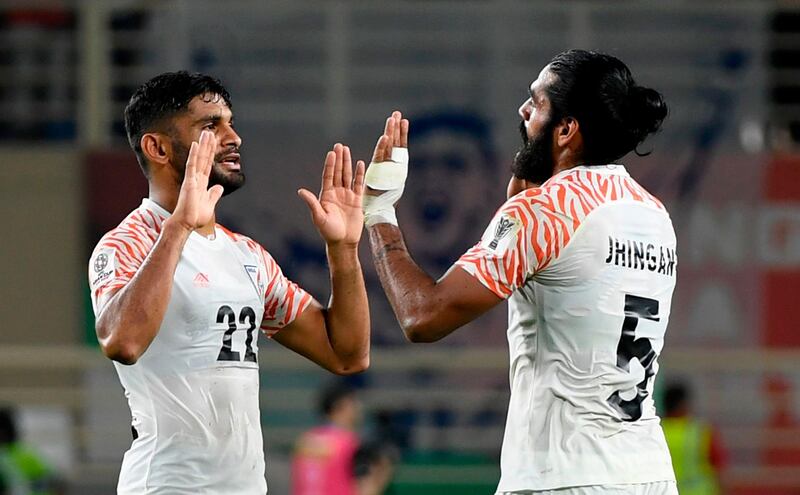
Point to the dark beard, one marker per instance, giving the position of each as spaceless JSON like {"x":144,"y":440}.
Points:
{"x":534,"y":159}
{"x":230,"y":181}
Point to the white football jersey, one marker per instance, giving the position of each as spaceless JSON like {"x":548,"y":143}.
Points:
{"x":194,"y":393}
{"x":587,"y":262}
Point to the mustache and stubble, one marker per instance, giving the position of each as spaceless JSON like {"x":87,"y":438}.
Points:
{"x":229,"y":180}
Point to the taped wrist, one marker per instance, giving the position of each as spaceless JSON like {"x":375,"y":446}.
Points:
{"x":391,"y":174}
{"x":389,"y":177}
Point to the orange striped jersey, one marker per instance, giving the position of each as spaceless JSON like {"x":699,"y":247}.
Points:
{"x":194,"y":393}
{"x":587,"y":262}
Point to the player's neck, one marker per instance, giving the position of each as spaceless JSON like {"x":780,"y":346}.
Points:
{"x":565,"y":159}
{"x":168,"y":199}
{"x":564,"y":165}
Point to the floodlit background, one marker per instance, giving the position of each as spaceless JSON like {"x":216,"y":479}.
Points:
{"x":306,"y":74}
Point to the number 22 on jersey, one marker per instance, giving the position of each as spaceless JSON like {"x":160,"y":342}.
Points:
{"x":246,"y":321}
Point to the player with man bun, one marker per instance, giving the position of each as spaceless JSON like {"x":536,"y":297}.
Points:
{"x":586,"y":258}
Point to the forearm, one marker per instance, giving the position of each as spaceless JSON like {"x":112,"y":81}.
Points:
{"x":347,"y":316}
{"x":130,"y":320}
{"x":411,"y":292}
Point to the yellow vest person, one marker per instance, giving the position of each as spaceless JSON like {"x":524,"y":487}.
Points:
{"x":696,"y":453}
{"x":689,"y":443}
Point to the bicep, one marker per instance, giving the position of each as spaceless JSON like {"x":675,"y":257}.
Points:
{"x":467,"y":294}
{"x":508,"y":253}
{"x":458,"y":299}
{"x":307,"y":335}
{"x":103,"y":299}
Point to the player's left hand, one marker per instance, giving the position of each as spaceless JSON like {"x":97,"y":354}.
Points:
{"x":337,"y":211}
{"x":516,"y":186}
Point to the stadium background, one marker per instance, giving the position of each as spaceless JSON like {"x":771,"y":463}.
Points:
{"x":304,"y":75}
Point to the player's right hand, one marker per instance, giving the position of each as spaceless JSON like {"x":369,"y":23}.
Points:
{"x":395,"y":135}
{"x":386,"y":176}
{"x":196,"y":201}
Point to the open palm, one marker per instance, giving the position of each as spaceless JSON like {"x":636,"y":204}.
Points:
{"x":337,"y":212}
{"x":196,"y":201}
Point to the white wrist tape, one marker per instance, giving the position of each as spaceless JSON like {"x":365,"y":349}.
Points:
{"x":389,"y":177}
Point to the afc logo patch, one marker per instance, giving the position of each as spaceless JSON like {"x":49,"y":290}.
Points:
{"x":100,"y":262}
{"x":501,"y":233}
{"x":103,"y":267}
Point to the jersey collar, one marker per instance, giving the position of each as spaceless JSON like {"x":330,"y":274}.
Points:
{"x":150,"y":205}
{"x":161,"y":214}
{"x":611,"y":169}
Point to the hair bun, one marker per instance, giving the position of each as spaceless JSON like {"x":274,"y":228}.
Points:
{"x":647,"y":111}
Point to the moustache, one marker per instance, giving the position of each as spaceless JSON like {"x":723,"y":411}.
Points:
{"x":523,"y":132}
{"x":219,"y":157}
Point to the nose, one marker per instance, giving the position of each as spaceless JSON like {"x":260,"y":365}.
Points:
{"x":525,"y":110}
{"x":230,"y":138}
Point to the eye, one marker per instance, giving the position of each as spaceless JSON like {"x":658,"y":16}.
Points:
{"x":210,"y":126}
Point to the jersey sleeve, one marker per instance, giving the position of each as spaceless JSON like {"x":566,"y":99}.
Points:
{"x":114,"y":262}
{"x":524,"y":236}
{"x":284,"y":300}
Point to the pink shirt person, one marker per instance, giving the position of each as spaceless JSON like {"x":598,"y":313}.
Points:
{"x":323,"y":462}
{"x":323,"y":459}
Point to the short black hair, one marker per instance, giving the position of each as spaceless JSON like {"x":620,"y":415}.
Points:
{"x":332,"y":394}
{"x":614,"y":113}
{"x":163,"y":97}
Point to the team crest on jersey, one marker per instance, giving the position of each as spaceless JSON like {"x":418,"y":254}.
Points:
{"x":103,"y":266}
{"x":501,"y":232}
{"x":252,"y":272}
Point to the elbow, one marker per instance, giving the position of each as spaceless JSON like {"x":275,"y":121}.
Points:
{"x":123,"y":341}
{"x":418,"y":330}
{"x":117,"y":349}
{"x":352,"y":368}
{"x":121,"y":353}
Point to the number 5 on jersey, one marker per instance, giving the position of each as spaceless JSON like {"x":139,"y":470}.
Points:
{"x":630,"y":347}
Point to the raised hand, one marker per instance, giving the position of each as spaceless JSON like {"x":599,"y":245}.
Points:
{"x":196,"y":201}
{"x":337,"y":212}
{"x":386,"y":176}
{"x":395,"y":135}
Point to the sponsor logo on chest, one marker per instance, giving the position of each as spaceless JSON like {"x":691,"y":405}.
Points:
{"x":201,"y":280}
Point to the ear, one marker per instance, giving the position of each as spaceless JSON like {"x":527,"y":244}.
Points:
{"x":156,"y":148}
{"x":567,"y":132}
